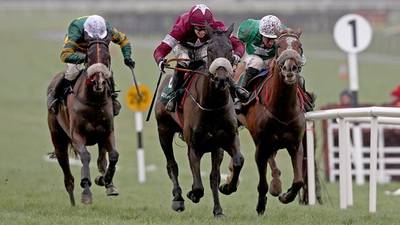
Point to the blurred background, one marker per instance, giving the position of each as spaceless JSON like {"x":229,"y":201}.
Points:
{"x":31,"y":38}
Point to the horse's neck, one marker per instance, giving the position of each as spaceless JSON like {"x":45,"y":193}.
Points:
{"x":283,"y":100}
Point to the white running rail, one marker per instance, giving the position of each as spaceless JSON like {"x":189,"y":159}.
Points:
{"x":375,"y":115}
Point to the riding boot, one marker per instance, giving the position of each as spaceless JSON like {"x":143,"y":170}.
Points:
{"x":250,"y":73}
{"x":174,"y":83}
{"x":309,"y":102}
{"x":114,"y":95}
{"x":55,"y":94}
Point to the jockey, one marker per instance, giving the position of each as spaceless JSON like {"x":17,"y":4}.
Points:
{"x":190,"y":28}
{"x":259,"y":38}
{"x":74,"y":54}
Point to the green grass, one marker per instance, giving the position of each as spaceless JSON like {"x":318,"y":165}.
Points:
{"x":32,"y":190}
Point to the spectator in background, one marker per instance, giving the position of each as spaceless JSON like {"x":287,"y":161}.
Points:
{"x":395,"y":97}
{"x":345,"y":98}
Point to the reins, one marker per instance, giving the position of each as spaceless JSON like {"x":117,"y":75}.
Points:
{"x":187,"y":91}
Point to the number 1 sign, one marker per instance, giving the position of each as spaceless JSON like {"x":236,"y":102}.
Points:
{"x":352,"y":33}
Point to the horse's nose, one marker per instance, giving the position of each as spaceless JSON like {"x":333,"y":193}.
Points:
{"x":220,"y":81}
{"x":294,"y":68}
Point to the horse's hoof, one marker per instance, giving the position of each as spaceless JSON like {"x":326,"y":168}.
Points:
{"x":286,"y":198}
{"x":275,"y":187}
{"x":219,"y":215}
{"x":178,"y":206}
{"x":99,"y":181}
{"x":261,"y":206}
{"x":195,"y":196}
{"x":72,"y":198}
{"x":111,"y":190}
{"x":86,"y":197}
{"x":224,"y":189}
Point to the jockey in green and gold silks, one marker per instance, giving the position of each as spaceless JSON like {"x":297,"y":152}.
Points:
{"x":74,"y":43}
{"x":259,"y":39}
{"x":74,"y":54}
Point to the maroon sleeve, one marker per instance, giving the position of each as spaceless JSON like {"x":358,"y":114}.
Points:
{"x":177,"y":33}
{"x":238,"y":47}
{"x":161,"y":51}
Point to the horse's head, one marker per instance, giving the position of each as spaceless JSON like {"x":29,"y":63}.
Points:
{"x":289,"y":55}
{"x":220,"y":56}
{"x":98,"y":63}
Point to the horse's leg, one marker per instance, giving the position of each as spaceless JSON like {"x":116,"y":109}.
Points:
{"x":60,"y":142}
{"x":79,"y":144}
{"x":101,"y":165}
{"x":275,"y":187}
{"x":215,"y":178}
{"x":113,"y":156}
{"x":261,"y":161}
{"x":197,"y":187}
{"x":296,"y":155}
{"x":166,"y":136}
{"x":235,"y":166}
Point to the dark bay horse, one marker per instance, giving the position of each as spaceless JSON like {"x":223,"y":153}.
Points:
{"x":87,"y":119}
{"x":207,"y":122}
{"x":276,"y":118}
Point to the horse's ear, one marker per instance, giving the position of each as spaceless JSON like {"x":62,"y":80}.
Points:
{"x":210,"y":30}
{"x":230,"y":30}
{"x":298,"y":32}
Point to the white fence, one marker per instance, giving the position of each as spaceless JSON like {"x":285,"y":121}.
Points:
{"x":376,"y":115}
{"x":388,"y":156}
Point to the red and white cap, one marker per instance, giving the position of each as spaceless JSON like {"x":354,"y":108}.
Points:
{"x":200,"y":15}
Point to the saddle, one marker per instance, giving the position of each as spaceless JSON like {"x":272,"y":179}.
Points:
{"x":256,"y":83}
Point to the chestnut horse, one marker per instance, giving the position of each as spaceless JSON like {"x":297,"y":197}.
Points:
{"x":87,"y":119}
{"x":207,"y":122}
{"x":276,"y":120}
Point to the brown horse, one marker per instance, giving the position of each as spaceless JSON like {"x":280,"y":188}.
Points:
{"x":208,"y":123}
{"x":87,"y":119}
{"x":275,"y":118}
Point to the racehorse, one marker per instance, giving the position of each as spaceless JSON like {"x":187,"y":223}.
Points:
{"x":86,"y":119}
{"x":207,"y":122}
{"x":275,"y":118}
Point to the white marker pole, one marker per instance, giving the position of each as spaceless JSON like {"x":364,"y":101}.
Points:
{"x":352,"y":33}
{"x":140,"y":151}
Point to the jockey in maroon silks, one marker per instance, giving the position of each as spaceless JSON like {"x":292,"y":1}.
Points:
{"x":190,"y":28}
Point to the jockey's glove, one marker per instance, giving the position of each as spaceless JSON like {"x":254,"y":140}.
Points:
{"x":236,"y":59}
{"x":129,"y":62}
{"x":161,"y":64}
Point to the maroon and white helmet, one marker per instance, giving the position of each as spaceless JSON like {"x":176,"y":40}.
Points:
{"x":200,"y":15}
{"x":267,"y":26}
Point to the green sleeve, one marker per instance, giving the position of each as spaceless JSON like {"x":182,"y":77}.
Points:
{"x":248,"y":30}
{"x":68,"y":53}
{"x":120,"y":38}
